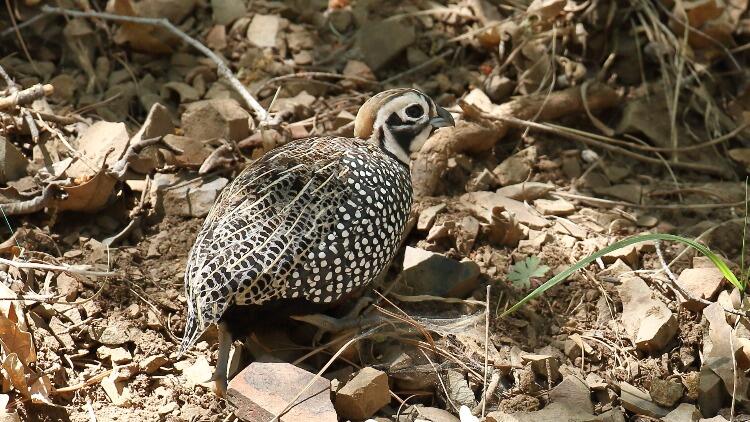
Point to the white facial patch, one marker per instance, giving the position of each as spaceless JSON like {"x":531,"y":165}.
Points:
{"x":399,"y":105}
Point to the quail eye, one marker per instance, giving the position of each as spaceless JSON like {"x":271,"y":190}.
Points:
{"x":414,"y":111}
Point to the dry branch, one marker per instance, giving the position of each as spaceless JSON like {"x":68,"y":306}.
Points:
{"x":26,"y":96}
{"x":469,"y":136}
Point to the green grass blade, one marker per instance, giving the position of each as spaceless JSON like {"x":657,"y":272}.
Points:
{"x":715,"y":259}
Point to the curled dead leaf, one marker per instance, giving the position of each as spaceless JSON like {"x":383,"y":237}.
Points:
{"x":15,"y":371}
{"x":16,"y":341}
{"x":88,"y":196}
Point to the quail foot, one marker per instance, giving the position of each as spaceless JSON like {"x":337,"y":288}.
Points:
{"x":309,"y":225}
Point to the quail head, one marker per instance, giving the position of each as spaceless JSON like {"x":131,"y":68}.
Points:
{"x":308,"y":225}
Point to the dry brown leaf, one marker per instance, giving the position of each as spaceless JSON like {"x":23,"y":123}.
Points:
{"x":15,"y":370}
{"x":90,"y":195}
{"x":16,"y":341}
{"x":140,"y":37}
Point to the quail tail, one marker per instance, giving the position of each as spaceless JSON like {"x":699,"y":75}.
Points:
{"x":192,"y":332}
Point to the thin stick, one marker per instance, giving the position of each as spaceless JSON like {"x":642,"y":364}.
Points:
{"x":260,"y":113}
{"x":576,"y":137}
{"x":611,"y":203}
{"x":486,"y":351}
{"x":65,"y":268}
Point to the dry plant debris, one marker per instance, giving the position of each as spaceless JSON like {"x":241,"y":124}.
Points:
{"x":578,"y":124}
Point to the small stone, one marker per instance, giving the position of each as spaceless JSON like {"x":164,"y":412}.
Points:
{"x":466,"y":236}
{"x":499,"y":88}
{"x":574,"y":393}
{"x":117,"y":333}
{"x":198,"y":373}
{"x":303,"y":58}
{"x":571,"y":166}
{"x":485,"y":204}
{"x":534,"y":243}
{"x":711,"y":392}
{"x":342,"y":119}
{"x":665,"y":392}
{"x":717,"y":418}
{"x":68,"y":286}
{"x":263,"y":390}
{"x":213,"y":119}
{"x":363,"y":395}
{"x":617,"y":269}
{"x":226,"y":11}
{"x":118,"y":355}
{"x":153,"y":363}
{"x":647,"y":320}
{"x":701,"y":283}
{"x":263,"y":30}
{"x":625,"y":192}
{"x":685,"y":412}
{"x":427,"y":217}
{"x":628,"y":254}
{"x":526,"y":191}
{"x":193,"y":152}
{"x":426,"y":272}
{"x":516,"y":168}
{"x":380,"y":42}
{"x":191,"y":200}
{"x":116,"y":391}
{"x":559,"y":207}
{"x":565,"y":226}
{"x":546,"y":366}
{"x":639,"y":402}
{"x":168,"y":408}
{"x":432,"y":414}
{"x":552,"y":412}
{"x":358,"y":69}
{"x":216,"y":39}
{"x":575,"y":347}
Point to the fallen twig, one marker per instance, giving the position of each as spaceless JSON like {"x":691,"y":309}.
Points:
{"x":65,"y":268}
{"x":121,"y":166}
{"x":48,"y":196}
{"x":26,"y":96}
{"x":260,"y":113}
{"x":720,"y":171}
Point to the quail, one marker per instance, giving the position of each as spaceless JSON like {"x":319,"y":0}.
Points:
{"x":308,"y":225}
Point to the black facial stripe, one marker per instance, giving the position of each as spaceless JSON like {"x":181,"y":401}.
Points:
{"x":394,"y":120}
{"x":405,"y":134}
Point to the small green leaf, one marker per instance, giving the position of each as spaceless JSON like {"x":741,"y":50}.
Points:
{"x":522,"y":272}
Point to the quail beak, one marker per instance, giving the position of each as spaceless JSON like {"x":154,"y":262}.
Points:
{"x":443,"y":118}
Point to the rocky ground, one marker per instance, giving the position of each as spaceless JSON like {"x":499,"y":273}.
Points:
{"x":578,"y":124}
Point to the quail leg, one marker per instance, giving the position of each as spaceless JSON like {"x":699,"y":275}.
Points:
{"x":222,"y":361}
{"x":328,"y":324}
